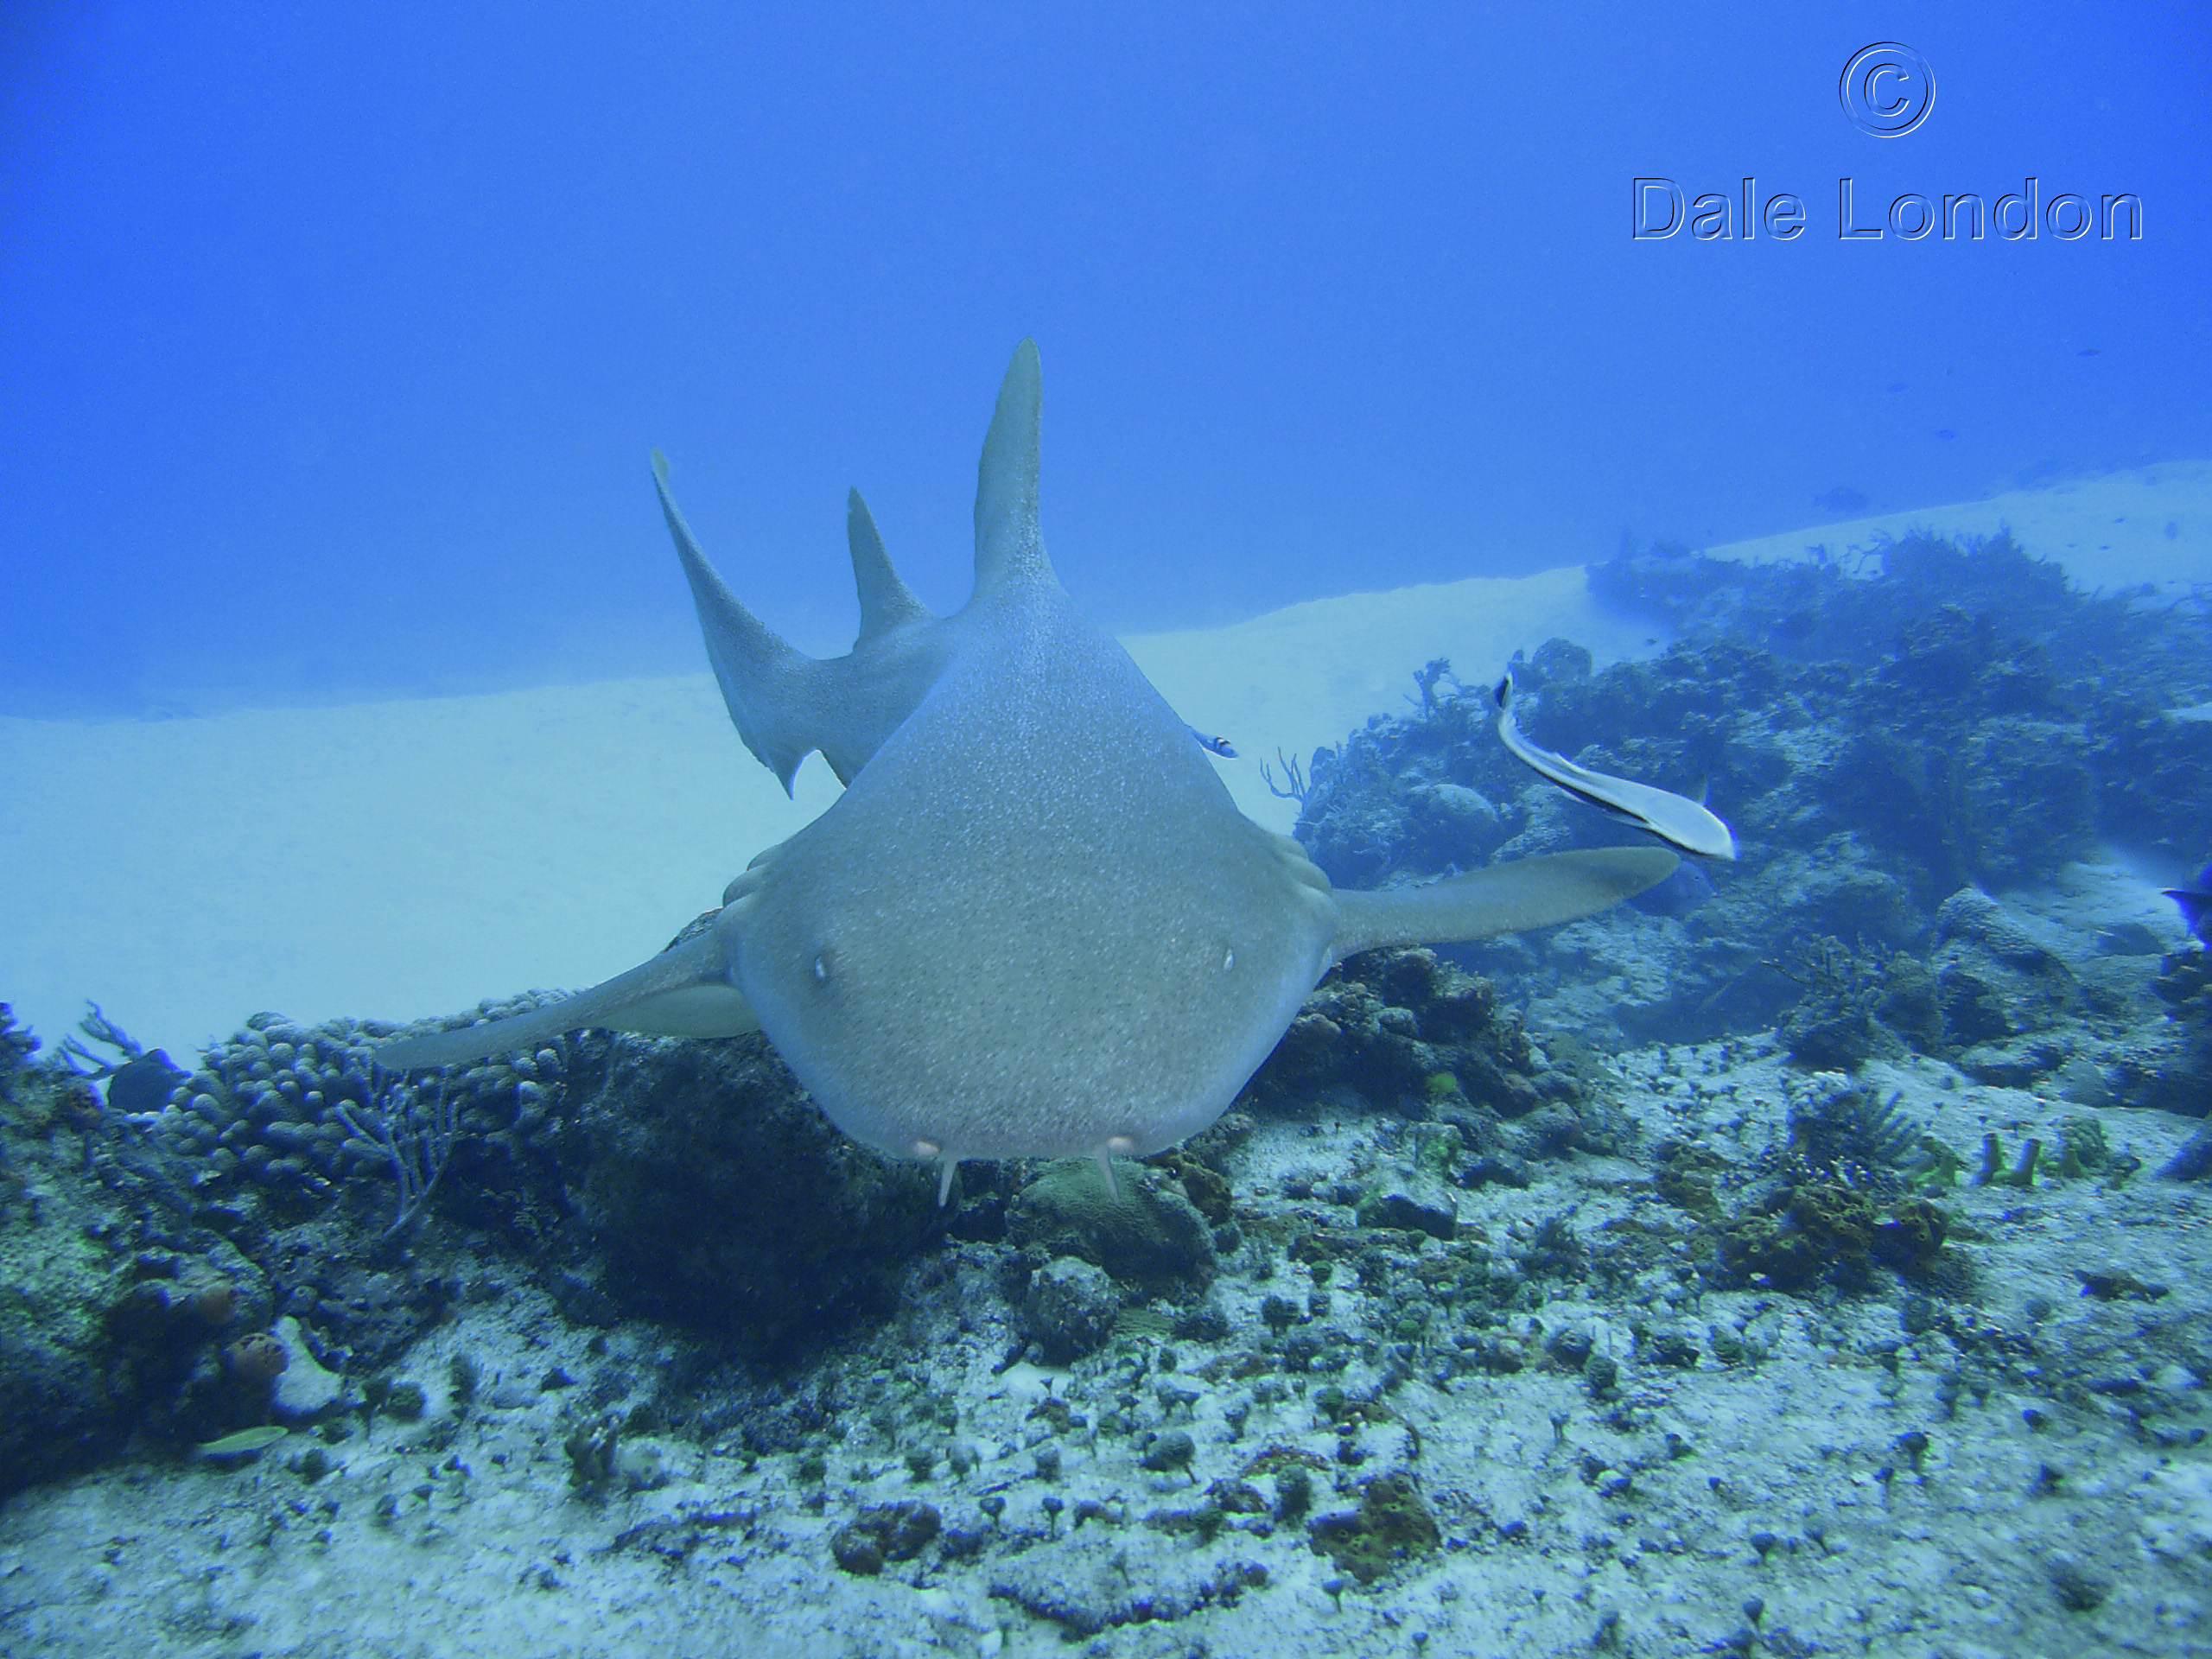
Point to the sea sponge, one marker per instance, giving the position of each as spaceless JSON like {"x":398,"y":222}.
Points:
{"x":257,"y":1359}
{"x":215,"y":1305}
{"x":1392,"y":1524}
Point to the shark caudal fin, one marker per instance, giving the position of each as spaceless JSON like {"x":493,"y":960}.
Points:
{"x":785,"y":705}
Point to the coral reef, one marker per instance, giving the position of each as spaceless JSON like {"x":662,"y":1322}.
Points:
{"x":1408,"y":1034}
{"x":1953,"y":717}
{"x":698,"y":1184}
{"x":108,"y":1330}
{"x":17,"y":1047}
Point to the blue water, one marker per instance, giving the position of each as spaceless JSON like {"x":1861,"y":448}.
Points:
{"x":333,"y":346}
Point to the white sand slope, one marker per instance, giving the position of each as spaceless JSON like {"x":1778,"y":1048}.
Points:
{"x":2152,"y":524}
{"x":394,"y":860}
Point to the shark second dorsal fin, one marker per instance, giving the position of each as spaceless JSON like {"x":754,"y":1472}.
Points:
{"x":885,"y":603}
{"x":1009,"y":548}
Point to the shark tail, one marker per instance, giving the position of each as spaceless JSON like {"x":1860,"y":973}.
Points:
{"x":785,"y":705}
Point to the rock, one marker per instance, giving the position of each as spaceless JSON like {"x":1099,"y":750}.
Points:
{"x":2193,"y":1162}
{"x":1549,"y":1132}
{"x":1150,"y":1236}
{"x":2015,"y":1064}
{"x":1452,"y":809}
{"x":1498,"y":1169}
{"x":2129,"y":939}
{"x":2084,"y":1083}
{"x":857,"y":1550}
{"x":1409,"y":1201}
{"x":1172,"y":1450}
{"x":304,"y":1388}
{"x":885,"y":1532}
{"x":1071,"y":1308}
{"x":1570,"y":1347}
{"x":1995,"y":981}
{"x":1972,"y":914}
{"x":2079,"y":1588}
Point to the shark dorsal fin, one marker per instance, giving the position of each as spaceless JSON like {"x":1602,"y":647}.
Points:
{"x":1009,"y":546}
{"x":886,"y":601}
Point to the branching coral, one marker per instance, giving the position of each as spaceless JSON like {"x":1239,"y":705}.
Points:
{"x":415,"y":1135}
{"x":1846,"y":1130}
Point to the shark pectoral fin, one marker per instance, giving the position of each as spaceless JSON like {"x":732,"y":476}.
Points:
{"x":684,"y":992}
{"x":718,"y":1010}
{"x":1503,"y":899}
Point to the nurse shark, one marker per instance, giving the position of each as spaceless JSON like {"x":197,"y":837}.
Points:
{"x":1034,"y":923}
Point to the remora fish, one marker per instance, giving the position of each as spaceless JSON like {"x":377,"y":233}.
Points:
{"x":1674,"y":818}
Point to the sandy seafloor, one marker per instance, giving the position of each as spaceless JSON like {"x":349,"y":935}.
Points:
{"x":398,"y":860}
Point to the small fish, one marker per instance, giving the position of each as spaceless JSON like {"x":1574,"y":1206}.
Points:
{"x":246,"y":1439}
{"x":2195,"y":902}
{"x":2087,"y":351}
{"x":1220,"y":746}
{"x":1945,"y":433}
{"x":1674,"y":818}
